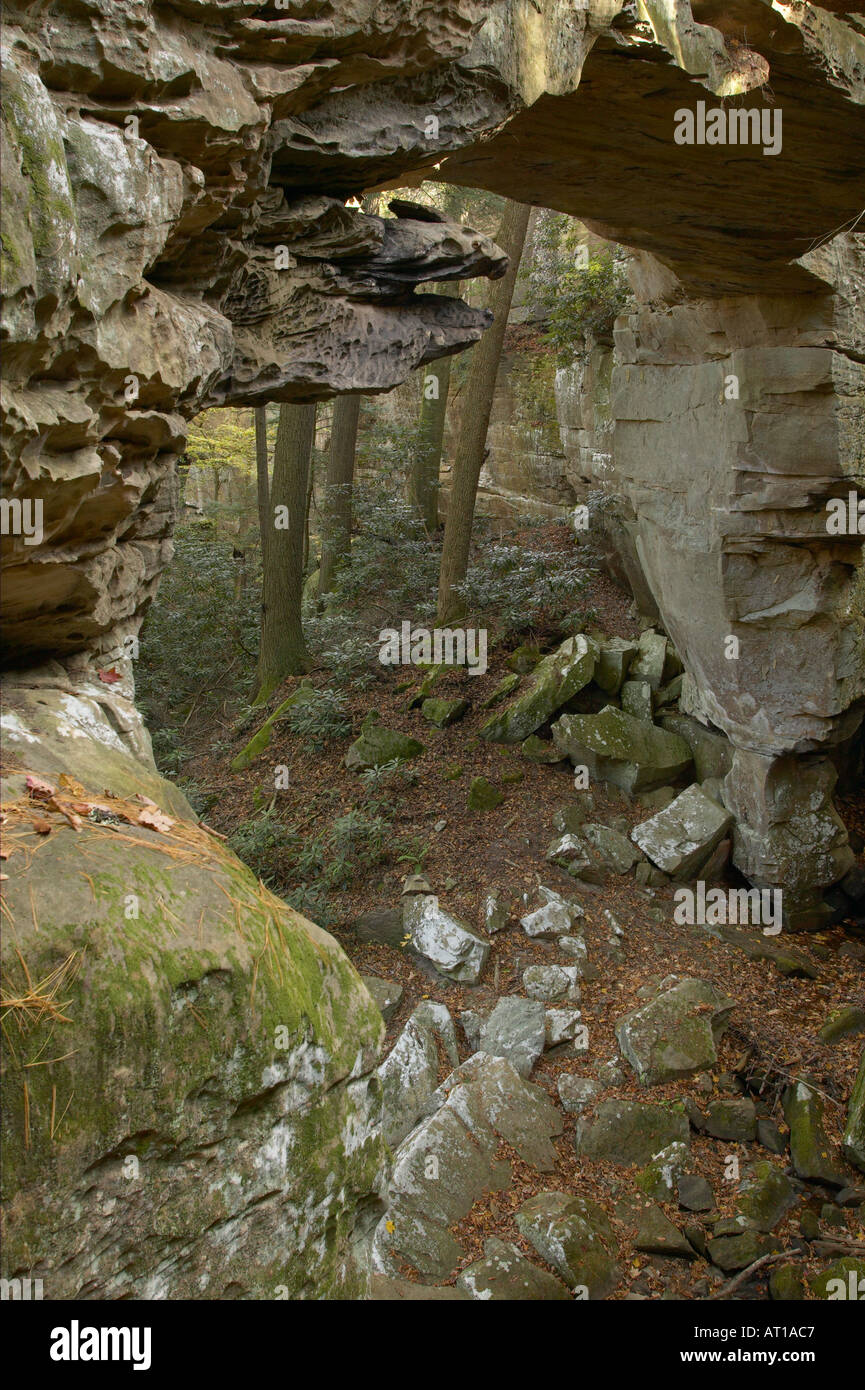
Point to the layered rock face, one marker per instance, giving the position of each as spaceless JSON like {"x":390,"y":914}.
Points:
{"x":175,"y":235}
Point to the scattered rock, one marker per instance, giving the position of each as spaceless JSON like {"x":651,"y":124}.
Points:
{"x":524,"y":659}
{"x":575,"y":947}
{"x":502,"y":691}
{"x":656,"y":1235}
{"x":551,"y":982}
{"x":630,"y":1131}
{"x":636,"y":699}
{"x":441,"y":713}
{"x":660,"y":1177}
{"x":617,"y":748}
{"x":732,"y":1119}
{"x":376,"y":746}
{"x":770,"y":1135}
{"x":786,"y":1284}
{"x":615,"y":850}
{"x":386,"y":993}
{"x":555,"y":680}
{"x":515,"y":1030}
{"x":496,"y":914}
{"x":843,"y":1279}
{"x":410,"y":1072}
{"x":556,"y":916}
{"x":681,"y":838}
{"x":695,"y":1193}
{"x":842,"y":1023}
{"x":570,"y":819}
{"x":854,"y":1133}
{"x":576,"y":1092}
{"x":540,"y":750}
{"x":416,"y":883}
{"x":449,"y":1160}
{"x":505,"y":1273}
{"x":483,"y":796}
{"x":676,"y":1033}
{"x":574,"y":1236}
{"x":650,"y":661}
{"x":765,"y":1196}
{"x":810,"y":1148}
{"x":738,"y":1251}
{"x":562,"y":1026}
{"x":615,"y":655}
{"x":452,"y":947}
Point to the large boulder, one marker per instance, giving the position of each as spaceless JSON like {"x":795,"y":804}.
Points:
{"x":676,"y":1033}
{"x":410,"y":1073}
{"x":515,"y":1030}
{"x":630,"y":1131}
{"x":575,"y":1236}
{"x":555,"y":680}
{"x":681,"y":837}
{"x":204,"y":1120}
{"x":630,"y":753}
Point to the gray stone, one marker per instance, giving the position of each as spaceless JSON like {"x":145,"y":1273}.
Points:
{"x":738,"y":1251}
{"x":515,"y":1030}
{"x":386,"y":993}
{"x":555,"y":917}
{"x":552,"y":982}
{"x":661,"y":1175}
{"x":842,"y":1023}
{"x":576,"y":1092}
{"x":810,"y":1147}
{"x":442,"y":713}
{"x":732,"y":1119}
{"x":570,"y":819}
{"x":615,"y":850}
{"x":449,"y":1160}
{"x":636,"y":697}
{"x":766,"y":1194}
{"x":575,"y":947}
{"x":505,"y":1273}
{"x":615,"y":655}
{"x":563,"y":1026}
{"x":650,"y":661}
{"x":377,"y":745}
{"x":656,"y":1235}
{"x":854,"y":1133}
{"x":694,"y":1193}
{"x":453,"y":948}
{"x":629,"y":1131}
{"x":496,"y":914}
{"x":617,"y":748}
{"x":676,"y":1033}
{"x":574,"y":1235}
{"x":410,"y":1072}
{"x":681,"y":838}
{"x":554,"y":681}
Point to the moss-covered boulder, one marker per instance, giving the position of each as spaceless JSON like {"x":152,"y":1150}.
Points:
{"x":556,"y":679}
{"x":575,"y":1236}
{"x":630,"y":753}
{"x":676,"y":1033}
{"x":441,"y":713}
{"x":375,"y":746}
{"x":204,"y":1118}
{"x":483,"y":796}
{"x":810,"y":1146}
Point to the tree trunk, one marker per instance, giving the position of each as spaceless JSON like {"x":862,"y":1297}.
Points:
{"x":262,"y":474}
{"x":423,"y":479}
{"x":336,"y":533}
{"x":283,"y":649}
{"x":478,"y":394}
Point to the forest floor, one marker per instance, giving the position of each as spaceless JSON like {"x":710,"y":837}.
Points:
{"x":465,"y":855}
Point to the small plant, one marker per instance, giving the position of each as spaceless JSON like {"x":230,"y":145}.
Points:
{"x":415,"y":851}
{"x":319,"y":719}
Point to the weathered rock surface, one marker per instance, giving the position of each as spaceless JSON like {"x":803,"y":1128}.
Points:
{"x":681,"y":838}
{"x":630,"y":1131}
{"x":449,"y":1161}
{"x":574,"y":1235}
{"x":410,"y":1073}
{"x":505,"y":1273}
{"x":451,"y":946}
{"x":676,"y":1033}
{"x":514,"y":1030}
{"x":630,"y":753}
{"x":854,"y":1133}
{"x":209,"y":1124}
{"x":557,"y":678}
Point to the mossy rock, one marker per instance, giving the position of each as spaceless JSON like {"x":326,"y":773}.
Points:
{"x":523,"y":659}
{"x":377,"y":746}
{"x":215,"y":1077}
{"x":260,"y":740}
{"x":483,"y":796}
{"x":843,"y":1280}
{"x":502,"y":691}
{"x":854,"y":1133}
{"x":441,"y":713}
{"x":559,"y":677}
{"x":539,"y":750}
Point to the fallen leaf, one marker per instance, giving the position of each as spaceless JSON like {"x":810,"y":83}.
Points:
{"x":110,"y":677}
{"x":42,"y":827}
{"x":39,"y":790}
{"x":69,"y":784}
{"x":155,"y":820}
